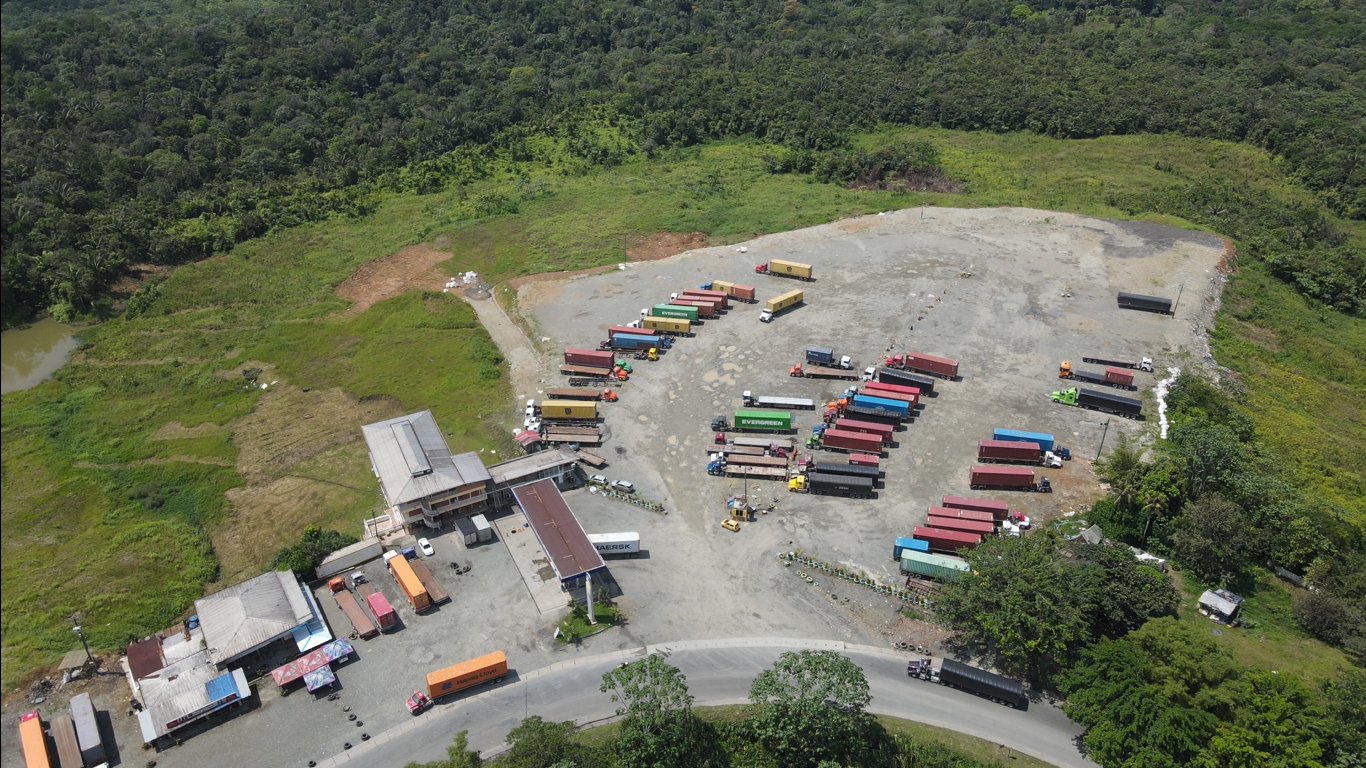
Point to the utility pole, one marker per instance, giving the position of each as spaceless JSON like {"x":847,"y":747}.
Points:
{"x":89,"y":657}
{"x":1180,"y":288}
{"x":1102,"y":439}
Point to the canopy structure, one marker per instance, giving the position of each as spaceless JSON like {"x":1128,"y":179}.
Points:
{"x":305,"y":666}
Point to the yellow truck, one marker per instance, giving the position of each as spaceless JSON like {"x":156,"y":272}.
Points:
{"x":572,"y":410}
{"x":667,"y":325}
{"x":786,"y":269}
{"x":778,"y":303}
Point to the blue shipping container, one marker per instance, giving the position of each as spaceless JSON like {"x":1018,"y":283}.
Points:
{"x":639,"y":337}
{"x":900,"y":407}
{"x":1045,"y":442}
{"x":903,"y":543}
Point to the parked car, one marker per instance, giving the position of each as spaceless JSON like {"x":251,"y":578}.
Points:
{"x":625,"y":486}
{"x":426,"y":547}
{"x":598,"y":479}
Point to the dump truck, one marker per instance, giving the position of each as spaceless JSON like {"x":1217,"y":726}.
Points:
{"x":1045,"y":441}
{"x":1090,"y":399}
{"x":671,"y":325}
{"x":606,"y":395}
{"x":998,"y":509}
{"x":981,"y":527}
{"x":795,"y":403}
{"x":892,"y":391}
{"x":408,"y":582}
{"x":966,"y":514}
{"x":754,"y":421}
{"x":840,"y":468}
{"x":890,"y":376}
{"x":956,"y":674}
{"x":704,"y":308}
{"x":1007,"y":478}
{"x":488,"y":668}
{"x":942,"y":367}
{"x":903,"y":543}
{"x":817,"y":372}
{"x":435,"y":592}
{"x":1121,"y":378}
{"x":736,"y":291}
{"x":780,"y":303}
{"x":899,"y":407}
{"x":726,"y":469}
{"x":839,"y":440}
{"x":384,"y":613}
{"x":1144,"y":364}
{"x":946,"y":541}
{"x":885,"y":431}
{"x":1145,"y":303}
{"x":360,"y":622}
{"x":832,"y":485}
{"x":672,"y":310}
{"x":785,"y":268}
{"x":1009,"y":451}
{"x":569,"y":410}
{"x":931,"y":566}
{"x":826,"y":357}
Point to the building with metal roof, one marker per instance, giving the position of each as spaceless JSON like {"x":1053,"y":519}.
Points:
{"x":558,"y":531}
{"x":184,"y":692}
{"x":1220,"y":604}
{"x":249,"y":616}
{"x":420,"y":479}
{"x":555,"y":464}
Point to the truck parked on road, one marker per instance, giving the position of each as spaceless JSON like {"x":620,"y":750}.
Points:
{"x":1144,"y":364}
{"x":671,"y":325}
{"x":826,"y":357}
{"x":942,"y":367}
{"x":931,"y":566}
{"x":1093,"y":400}
{"x":946,"y":541}
{"x":1007,"y":478}
{"x":797,"y":403}
{"x":736,"y":291}
{"x":785,"y":268}
{"x":779,"y":303}
{"x":1145,"y":303}
{"x":1121,"y":378}
{"x":754,"y":421}
{"x":832,"y":485}
{"x":347,"y":603}
{"x":1009,"y":451}
{"x":959,"y":675}
{"x":890,"y":376}
{"x":839,"y":440}
{"x":485,"y":669}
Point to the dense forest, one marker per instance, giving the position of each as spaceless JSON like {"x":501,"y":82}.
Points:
{"x":138,"y":133}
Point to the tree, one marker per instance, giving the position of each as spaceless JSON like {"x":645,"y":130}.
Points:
{"x":1345,"y":699}
{"x":810,"y":707}
{"x":304,"y":555}
{"x":1275,"y":720}
{"x":657,"y":726}
{"x":1122,"y":592}
{"x":458,"y":755}
{"x":536,"y":743}
{"x":1213,"y":539}
{"x":1020,"y":602}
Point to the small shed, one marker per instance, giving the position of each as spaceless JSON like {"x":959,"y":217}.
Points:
{"x":468,"y":533}
{"x":483,"y":527}
{"x":1220,"y":605}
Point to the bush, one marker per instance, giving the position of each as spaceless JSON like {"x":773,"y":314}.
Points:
{"x":305,"y":555}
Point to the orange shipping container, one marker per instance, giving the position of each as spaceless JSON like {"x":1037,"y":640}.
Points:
{"x":33,"y":741}
{"x":489,"y":667}
{"x":409,"y":583}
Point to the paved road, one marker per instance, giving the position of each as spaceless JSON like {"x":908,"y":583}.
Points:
{"x":718,"y":672}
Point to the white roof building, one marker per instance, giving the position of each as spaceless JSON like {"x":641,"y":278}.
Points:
{"x":418,"y":476}
{"x":251,"y":615}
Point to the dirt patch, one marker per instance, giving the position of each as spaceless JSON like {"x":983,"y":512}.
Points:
{"x":664,"y":245}
{"x":174,"y":430}
{"x":544,"y":277}
{"x":411,"y":268}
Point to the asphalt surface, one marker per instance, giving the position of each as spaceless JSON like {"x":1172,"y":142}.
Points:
{"x":718,"y":672}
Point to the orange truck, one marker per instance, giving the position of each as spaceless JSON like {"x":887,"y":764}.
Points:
{"x":487,"y":668}
{"x":408,"y":582}
{"x":35,"y":743}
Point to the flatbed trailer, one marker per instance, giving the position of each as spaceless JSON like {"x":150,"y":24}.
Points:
{"x":761,"y":442}
{"x":434,"y":590}
{"x":799,"y":371}
{"x":591,"y":459}
{"x":360,"y":622}
{"x":737,"y":450}
{"x":758,"y":473}
{"x":556,"y":437}
{"x":1143,"y":364}
{"x":573,"y":394}
{"x":587,"y":371}
{"x":757,"y":461}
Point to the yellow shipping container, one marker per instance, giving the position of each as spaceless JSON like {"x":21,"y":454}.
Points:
{"x":784,"y":301}
{"x":669,"y":324}
{"x":793,"y":268}
{"x":568,"y":409}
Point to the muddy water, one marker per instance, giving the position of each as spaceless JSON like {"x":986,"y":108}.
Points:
{"x":31,"y":355}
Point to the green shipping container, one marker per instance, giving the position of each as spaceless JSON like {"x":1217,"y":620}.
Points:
{"x":763,"y":420}
{"x":934,"y":566}
{"x":674,"y":310}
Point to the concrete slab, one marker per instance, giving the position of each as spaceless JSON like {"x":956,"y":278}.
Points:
{"x":540,"y":580}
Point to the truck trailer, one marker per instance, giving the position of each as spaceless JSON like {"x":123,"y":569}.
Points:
{"x":931,"y":566}
{"x":885,"y":431}
{"x":780,"y":303}
{"x":900,"y":407}
{"x":569,"y":410}
{"x":891,"y":376}
{"x":707,"y":293}
{"x":865,"y":413}
{"x":946,"y":541}
{"x":942,"y":367}
{"x":1145,"y":303}
{"x":672,"y":310}
{"x":408,"y":582}
{"x":435,"y":593}
{"x":581,"y":394}
{"x":998,"y":509}
{"x":1093,"y":400}
{"x":903,"y":543}
{"x":966,"y":514}
{"x":593,"y":358}
{"x":1144,"y":364}
{"x":87,"y":729}
{"x":360,"y":622}
{"x":736,"y":291}
{"x":1007,"y":478}
{"x":817,"y":372}
{"x":840,"y":468}
{"x":1008,"y":451}
{"x":704,"y":308}
{"x":959,"y":675}
{"x":384,"y":613}
{"x":660,"y":342}
{"x":839,"y":440}
{"x":866,"y":460}
{"x":754,"y":421}
{"x":672,"y":325}
{"x":795,"y":403}
{"x":893,"y":391}
{"x":616,"y":543}
{"x":832,"y":485}
{"x":785,"y":268}
{"x":727,"y":469}
{"x":631,"y":342}
{"x":1042,"y":439}
{"x":1120,"y":378}
{"x":980,"y":527}
{"x":826,"y":357}
{"x":487,"y":668}
{"x":717,"y":304}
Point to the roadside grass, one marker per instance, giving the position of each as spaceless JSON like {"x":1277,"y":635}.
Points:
{"x":81,"y":470}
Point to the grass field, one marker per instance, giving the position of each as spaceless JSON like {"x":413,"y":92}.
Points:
{"x":149,"y":468}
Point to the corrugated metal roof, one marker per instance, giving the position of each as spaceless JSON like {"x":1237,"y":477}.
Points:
{"x":1212,"y":599}
{"x":511,"y":471}
{"x":144,"y":657}
{"x":561,"y":537}
{"x":248,"y":615}
{"x":413,"y":460}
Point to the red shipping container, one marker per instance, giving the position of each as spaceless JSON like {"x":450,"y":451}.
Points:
{"x":998,"y":509}
{"x":963,"y":514}
{"x":745,"y":292}
{"x":939,"y":366}
{"x":959,"y":524}
{"x":589,"y":357}
{"x":717,"y":295}
{"x":851,"y":441}
{"x":704,"y":308}
{"x":1008,"y":450}
{"x":884,"y":431}
{"x":943,"y":540}
{"x":1119,"y":376}
{"x":894,"y":391}
{"x":1009,"y":477}
{"x":384,"y":613}
{"x":864,"y":460}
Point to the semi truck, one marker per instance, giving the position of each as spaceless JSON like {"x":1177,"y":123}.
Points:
{"x":408,"y":582}
{"x":796,"y":403}
{"x":883,"y":431}
{"x":865,"y":413}
{"x":1121,"y":378}
{"x":892,"y":391}
{"x":1007,"y":478}
{"x":754,"y":421}
{"x":671,"y":310}
{"x":980,"y":527}
{"x":956,"y":674}
{"x":703,"y":308}
{"x":751,"y":460}
{"x":891,"y":376}
{"x":708,"y":293}
{"x":659,"y":342}
{"x":1145,"y":303}
{"x":569,"y":410}
{"x":1093,"y":400}
{"x":627,"y":543}
{"x":632,"y":343}
{"x":605,"y":395}
{"x":435,"y":593}
{"x":903,"y":543}
{"x":826,"y":357}
{"x":347,"y":603}
{"x":672,"y":325}
{"x":942,"y":367}
{"x":839,"y":440}
{"x":785,"y":268}
{"x":485,"y":669}
{"x":593,"y":373}
{"x":1009,"y":451}
{"x":1045,"y":441}
{"x":998,"y":509}
{"x":779,"y":303}
{"x":840,"y":468}
{"x":817,"y":372}
{"x":931,"y":566}
{"x":946,"y":541}
{"x":736,"y":291}
{"x":728,"y":469}
{"x":1144,"y":364}
{"x":966,"y":514}
{"x":899,"y":407}
{"x":832,"y":485}
{"x":593,"y":358}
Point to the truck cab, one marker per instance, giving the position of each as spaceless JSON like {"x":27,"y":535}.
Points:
{"x":719,"y":424}
{"x":766,"y":316}
{"x":869,"y":373}
{"x":797,"y":484}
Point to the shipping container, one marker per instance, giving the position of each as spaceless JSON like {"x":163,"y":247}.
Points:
{"x":907,"y":379}
{"x":879,"y":415}
{"x":839,"y":468}
{"x":999,"y":510}
{"x":1009,"y":451}
{"x":959,"y":675}
{"x":839,"y":485}
{"x":592,"y":358}
{"x":931,"y":566}
{"x":946,"y":541}
{"x":703,"y":308}
{"x":899,"y":407}
{"x":468,"y":534}
{"x":966,"y":514}
{"x":1010,"y":478}
{"x":675,"y":311}
{"x":734,"y":290}
{"x":64,"y":739}
{"x":903,"y":543}
{"x":1119,"y":378}
{"x":942,"y":367}
{"x":360,"y":621}
{"x":709,"y":295}
{"x":860,"y":442}
{"x":634,"y":341}
{"x":960,"y":524}
{"x":1044,"y":441}
{"x":347,"y":558}
{"x":825,"y":356}
{"x":673,"y":325}
{"x":483,"y":526}
{"x":786,"y":268}
{"x":870,"y":427}
{"x":487,"y":668}
{"x":865,"y":460}
{"x":409,"y":584}
{"x":616,"y":543}
{"x":763,"y":420}
{"x":569,"y":410}
{"x":33,"y":741}
{"x":87,"y":729}
{"x":385,"y":615}
{"x":893,"y":391}
{"x":1145,"y":303}
{"x":784,"y":300}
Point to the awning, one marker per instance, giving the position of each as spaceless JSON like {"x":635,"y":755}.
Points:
{"x":311,"y":662}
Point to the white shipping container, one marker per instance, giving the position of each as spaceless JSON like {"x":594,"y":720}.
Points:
{"x":615,"y":543}
{"x":482,"y":525}
{"x":347,"y":558}
{"x":468,"y":533}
